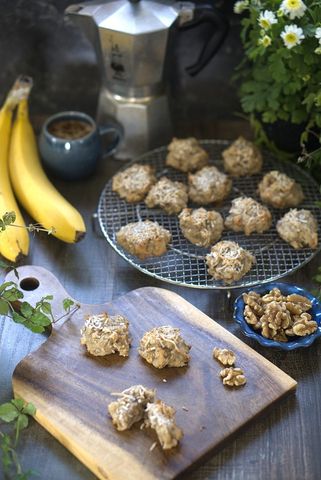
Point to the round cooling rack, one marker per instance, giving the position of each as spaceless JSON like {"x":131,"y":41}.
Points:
{"x":184,"y":263}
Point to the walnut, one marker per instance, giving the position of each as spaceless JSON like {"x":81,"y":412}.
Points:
{"x":304,"y":325}
{"x":275,"y":295}
{"x":226,"y":357}
{"x":233,"y":377}
{"x":253,"y":300}
{"x":252,"y":317}
{"x":298,"y":303}
{"x":277,"y":316}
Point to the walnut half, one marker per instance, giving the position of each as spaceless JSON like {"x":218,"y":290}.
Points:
{"x":225,"y":356}
{"x":233,"y":377}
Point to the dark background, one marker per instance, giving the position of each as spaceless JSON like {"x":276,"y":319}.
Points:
{"x":36,"y":40}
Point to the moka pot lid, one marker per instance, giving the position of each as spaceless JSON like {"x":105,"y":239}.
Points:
{"x":134,"y":17}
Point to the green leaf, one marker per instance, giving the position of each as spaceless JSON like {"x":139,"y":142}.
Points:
{"x":12,"y":294}
{"x":34,"y":328}
{"x":29,"y":409}
{"x":6,"y":285}
{"x":40,"y":319}
{"x":4,"y":265}
{"x":46,"y":308}
{"x":18,"y":403}
{"x":4,"y":307}
{"x":16,"y":317}
{"x":8,"y":412}
{"x":67,"y":303}
{"x":26,"y":309}
{"x":22,"y":422}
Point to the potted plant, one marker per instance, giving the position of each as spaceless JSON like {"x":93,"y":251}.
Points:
{"x":281,"y":71}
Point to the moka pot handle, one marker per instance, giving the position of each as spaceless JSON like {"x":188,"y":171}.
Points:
{"x":206,"y":13}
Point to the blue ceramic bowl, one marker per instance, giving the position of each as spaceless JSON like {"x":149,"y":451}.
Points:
{"x":294,"y":342}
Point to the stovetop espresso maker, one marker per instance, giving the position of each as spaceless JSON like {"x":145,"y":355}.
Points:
{"x":132,"y":41}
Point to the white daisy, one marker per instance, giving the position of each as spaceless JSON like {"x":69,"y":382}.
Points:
{"x":292,"y":35}
{"x":265,"y":41}
{"x":293,"y":8}
{"x":267,"y":19}
{"x":239,"y":7}
{"x":318,"y":34}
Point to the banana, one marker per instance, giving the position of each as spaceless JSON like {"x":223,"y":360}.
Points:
{"x":32,"y":187}
{"x":14,"y":240}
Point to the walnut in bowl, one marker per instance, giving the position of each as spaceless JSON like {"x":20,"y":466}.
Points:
{"x":279,"y":315}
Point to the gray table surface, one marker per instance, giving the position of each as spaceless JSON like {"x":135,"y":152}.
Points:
{"x":284,"y":444}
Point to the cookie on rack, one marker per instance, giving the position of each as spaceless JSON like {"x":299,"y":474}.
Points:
{"x":299,"y":228}
{"x":201,"y":227}
{"x":208,"y":185}
{"x":280,"y":190}
{"x":242,"y":158}
{"x":186,"y":154}
{"x":144,"y":239}
{"x":134,"y":182}
{"x":248,"y":216}
{"x":169,"y":195}
{"x":228,"y":261}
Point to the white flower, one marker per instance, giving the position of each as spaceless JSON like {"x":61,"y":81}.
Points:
{"x":265,"y":41}
{"x":318,"y":34}
{"x":267,"y":19}
{"x":293,"y":8}
{"x":292,"y":35}
{"x":239,"y":7}
{"x":318,"y":51}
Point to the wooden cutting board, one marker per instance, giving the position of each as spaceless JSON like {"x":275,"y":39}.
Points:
{"x":71,"y":390}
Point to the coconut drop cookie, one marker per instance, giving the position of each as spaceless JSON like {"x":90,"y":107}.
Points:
{"x":186,"y":155}
{"x":130,"y":406}
{"x":169,"y":195}
{"x":279,"y":190}
{"x":103,"y":335}
{"x":299,"y":228}
{"x":242,"y":158}
{"x":164,"y":347}
{"x":208,"y":185}
{"x":228,"y":261}
{"x":134,"y":183}
{"x":144,"y":239}
{"x":248,"y":216}
{"x":201,"y":227}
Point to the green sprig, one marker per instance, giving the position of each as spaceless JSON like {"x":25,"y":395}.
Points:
{"x":17,"y":413}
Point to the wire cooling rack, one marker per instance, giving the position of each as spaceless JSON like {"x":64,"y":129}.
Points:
{"x":184,"y":263}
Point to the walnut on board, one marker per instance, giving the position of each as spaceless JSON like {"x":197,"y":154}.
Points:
{"x":201,"y":227}
{"x":208,"y":185}
{"x":242,"y":158}
{"x":129,"y":408}
{"x":224,"y":356}
{"x":134,"y":182}
{"x":169,"y":195}
{"x":233,"y":377}
{"x":103,"y":335}
{"x":186,"y":154}
{"x":228,"y":261}
{"x":299,"y":228}
{"x":164,"y":347}
{"x":161,"y":418}
{"x":144,"y":239}
{"x":248,"y":216}
{"x":279,"y":190}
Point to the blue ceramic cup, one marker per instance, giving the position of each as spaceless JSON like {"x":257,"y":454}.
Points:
{"x":71,"y":143}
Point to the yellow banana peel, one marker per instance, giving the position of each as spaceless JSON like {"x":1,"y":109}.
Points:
{"x":14,"y":240}
{"x":32,"y":187}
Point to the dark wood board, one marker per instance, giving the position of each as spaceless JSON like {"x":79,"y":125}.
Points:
{"x":71,"y":390}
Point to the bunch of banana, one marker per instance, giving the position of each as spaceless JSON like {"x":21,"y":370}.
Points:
{"x":14,"y":240}
{"x":32,"y":187}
